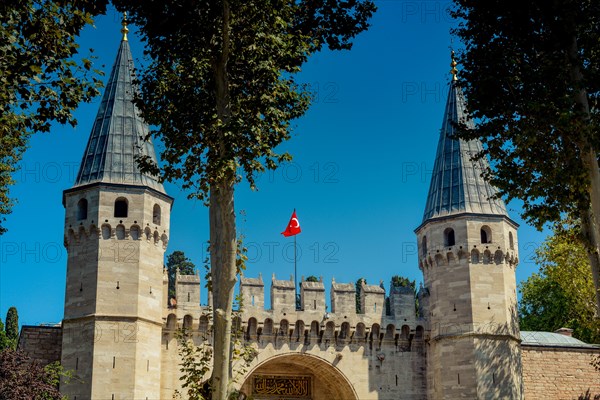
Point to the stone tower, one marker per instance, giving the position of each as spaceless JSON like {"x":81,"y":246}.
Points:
{"x":468,"y":254}
{"x":116,"y":232}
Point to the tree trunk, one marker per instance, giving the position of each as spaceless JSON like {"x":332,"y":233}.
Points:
{"x":223,"y":274}
{"x":223,"y":241}
{"x":590,"y":215}
{"x":593,"y":254}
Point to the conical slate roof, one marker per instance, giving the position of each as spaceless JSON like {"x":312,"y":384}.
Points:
{"x":117,"y":134}
{"x":456,"y":184}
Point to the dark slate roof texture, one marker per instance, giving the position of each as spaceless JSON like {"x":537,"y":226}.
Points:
{"x":456,"y":183}
{"x":118,"y":131}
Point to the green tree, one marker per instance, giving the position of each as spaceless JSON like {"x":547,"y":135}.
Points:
{"x":532,"y":84}
{"x":401,"y":281}
{"x":562,"y":293}
{"x":41,"y":80}
{"x":221,"y":89}
{"x":23,"y":378}
{"x":4,"y":342}
{"x":12,"y":326}
{"x":178,"y":260}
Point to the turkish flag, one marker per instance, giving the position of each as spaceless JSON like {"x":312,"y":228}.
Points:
{"x":293,"y":227}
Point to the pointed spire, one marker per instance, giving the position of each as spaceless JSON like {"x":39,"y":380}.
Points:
{"x":456,"y":184}
{"x":117,"y":136}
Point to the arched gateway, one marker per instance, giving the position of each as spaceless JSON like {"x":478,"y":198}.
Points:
{"x":313,"y":378}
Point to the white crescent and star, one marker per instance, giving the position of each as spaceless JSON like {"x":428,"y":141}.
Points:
{"x":297,"y":223}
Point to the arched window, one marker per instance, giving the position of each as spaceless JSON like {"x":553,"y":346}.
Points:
{"x":511,"y":241}
{"x":156,"y":214}
{"x":121,"y":208}
{"x":486,"y":234}
{"x":449,"y":237}
{"x":82,"y":209}
{"x":424,"y":246}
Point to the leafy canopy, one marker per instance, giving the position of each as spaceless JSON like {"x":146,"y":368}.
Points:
{"x":211,"y":135}
{"x":23,"y":378}
{"x":11,"y":328}
{"x":520,"y":89}
{"x":562,"y":293}
{"x":178,"y":260}
{"x":41,"y":81}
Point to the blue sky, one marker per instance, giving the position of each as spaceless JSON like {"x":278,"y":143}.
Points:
{"x":363,"y":156}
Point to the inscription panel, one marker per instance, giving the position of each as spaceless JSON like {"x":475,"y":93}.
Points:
{"x":282,"y":387}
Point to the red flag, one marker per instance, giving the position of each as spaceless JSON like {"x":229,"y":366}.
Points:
{"x":293,"y":227}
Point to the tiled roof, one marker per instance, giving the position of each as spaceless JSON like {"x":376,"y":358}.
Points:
{"x":549,"y":339}
{"x":118,"y":131}
{"x":456,"y":183}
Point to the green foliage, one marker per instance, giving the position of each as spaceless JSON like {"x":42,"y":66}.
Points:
{"x":400,"y":281}
{"x":521,"y":89}
{"x":312,"y":278}
{"x":221,"y":90}
{"x":41,"y":80}
{"x":5,"y":343}
{"x":562,"y":293}
{"x":195,"y":364}
{"x":12,"y":326}
{"x":175,"y":260}
{"x":533,"y":86}
{"x":23,"y":378}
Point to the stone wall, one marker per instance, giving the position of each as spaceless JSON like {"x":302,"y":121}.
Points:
{"x":41,"y":343}
{"x":560,"y":373}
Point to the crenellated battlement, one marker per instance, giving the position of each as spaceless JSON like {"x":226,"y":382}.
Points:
{"x":311,"y":323}
{"x":81,"y":233}
{"x":488,"y":253}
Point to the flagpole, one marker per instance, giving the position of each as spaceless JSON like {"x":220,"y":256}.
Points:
{"x":295,"y":270}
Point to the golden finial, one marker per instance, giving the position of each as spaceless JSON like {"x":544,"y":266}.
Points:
{"x":124,"y":30}
{"x":453,"y":71}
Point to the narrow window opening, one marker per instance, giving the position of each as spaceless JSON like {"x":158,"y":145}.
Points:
{"x":114,"y":361}
{"x":82,"y":209}
{"x":189,"y":297}
{"x":156,"y":214}
{"x":167,"y":345}
{"x":147,"y":365}
{"x":493,"y":378}
{"x":113,"y":396}
{"x":76,"y":363}
{"x":315,"y":304}
{"x":121,"y":208}
{"x":252,"y":300}
{"x":511,"y":242}
{"x":449,"y":237}
{"x":424,"y":246}
{"x":375,"y":307}
{"x":396,"y":380}
{"x":458,"y":379}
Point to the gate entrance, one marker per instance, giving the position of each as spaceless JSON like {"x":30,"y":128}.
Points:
{"x":297,"y":377}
